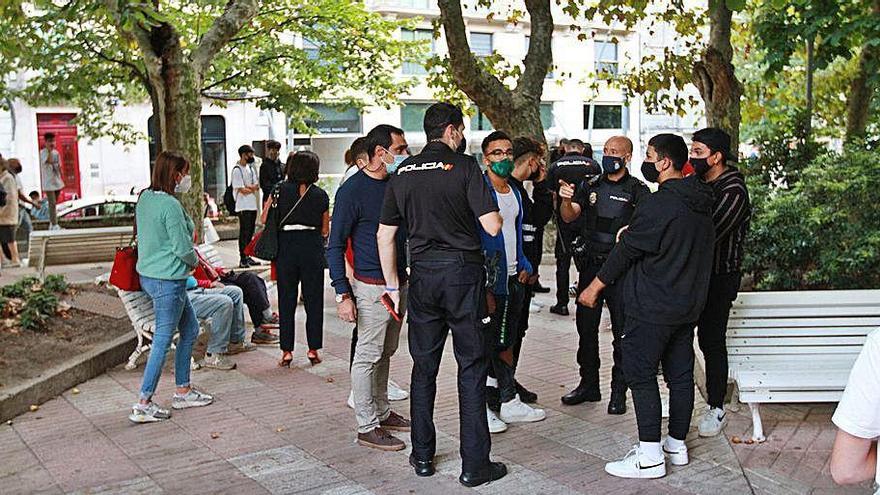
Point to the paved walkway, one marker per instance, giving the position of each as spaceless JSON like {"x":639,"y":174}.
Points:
{"x":288,"y":431}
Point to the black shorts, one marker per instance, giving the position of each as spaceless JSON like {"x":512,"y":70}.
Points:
{"x":7,"y":233}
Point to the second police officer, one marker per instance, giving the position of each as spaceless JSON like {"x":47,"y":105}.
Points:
{"x":436,"y":196}
{"x":604,"y":204}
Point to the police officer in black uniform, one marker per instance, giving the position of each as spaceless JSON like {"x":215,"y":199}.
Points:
{"x":573,"y":168}
{"x":606,"y":204}
{"x":439,"y":195}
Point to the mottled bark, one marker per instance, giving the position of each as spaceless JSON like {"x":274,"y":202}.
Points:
{"x":715,"y":78}
{"x":516,"y":111}
{"x":862,"y":88}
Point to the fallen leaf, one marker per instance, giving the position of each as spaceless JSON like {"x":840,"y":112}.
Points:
{"x":330,"y":379}
{"x":736,"y":440}
{"x":215,"y":435}
{"x":279,"y":429}
{"x":9,"y":422}
{"x":750,"y":441}
{"x":75,"y":391}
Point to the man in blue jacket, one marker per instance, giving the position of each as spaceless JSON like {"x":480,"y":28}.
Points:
{"x":508,"y":271}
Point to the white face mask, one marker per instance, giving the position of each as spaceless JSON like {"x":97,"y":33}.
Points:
{"x":184,"y":185}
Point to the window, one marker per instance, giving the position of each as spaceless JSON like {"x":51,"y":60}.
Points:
{"x":606,"y":57}
{"x":479,"y":122}
{"x":213,"y":152}
{"x":481,"y":44}
{"x":606,"y":117}
{"x":546,"y":115}
{"x":417,"y":67}
{"x":412,"y":117}
{"x":550,"y":70}
{"x":335,"y":120}
{"x":417,"y":4}
{"x":312,"y":49}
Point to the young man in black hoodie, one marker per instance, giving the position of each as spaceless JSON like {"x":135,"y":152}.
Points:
{"x":711,"y":157}
{"x":662,"y":264}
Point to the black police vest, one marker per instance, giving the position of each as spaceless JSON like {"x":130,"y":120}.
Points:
{"x":609,"y":208}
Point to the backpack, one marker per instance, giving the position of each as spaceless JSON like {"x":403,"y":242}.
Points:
{"x":229,"y":196}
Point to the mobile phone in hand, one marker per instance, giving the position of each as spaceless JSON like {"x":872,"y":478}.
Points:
{"x":389,"y":305}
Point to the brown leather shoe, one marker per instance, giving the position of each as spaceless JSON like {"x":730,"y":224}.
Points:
{"x":380,"y":439}
{"x":395,"y":422}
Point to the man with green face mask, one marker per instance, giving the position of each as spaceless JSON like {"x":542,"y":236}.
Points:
{"x":508,"y":270}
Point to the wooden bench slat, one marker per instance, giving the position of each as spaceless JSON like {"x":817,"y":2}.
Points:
{"x":817,"y":350}
{"x":804,"y":312}
{"x":808,"y":298}
{"x":783,"y":396}
{"x":798,"y":332}
{"x":749,"y":322}
{"x":794,"y":342}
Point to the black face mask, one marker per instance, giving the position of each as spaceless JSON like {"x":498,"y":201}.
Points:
{"x":251,"y":160}
{"x":701,"y":165}
{"x":649,"y":171}
{"x":611,"y":164}
{"x":462,"y":145}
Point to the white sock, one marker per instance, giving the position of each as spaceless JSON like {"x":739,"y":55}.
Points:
{"x":651,"y":451}
{"x":674,"y":444}
{"x":491,"y":382}
{"x":267,"y":313}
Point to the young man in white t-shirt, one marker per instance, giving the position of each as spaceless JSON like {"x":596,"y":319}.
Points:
{"x":509,"y":270}
{"x":50,"y":170}
{"x":854,"y":455}
{"x":245,"y":185}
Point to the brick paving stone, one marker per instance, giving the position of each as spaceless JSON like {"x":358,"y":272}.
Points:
{"x":102,"y":304}
{"x":289,"y":431}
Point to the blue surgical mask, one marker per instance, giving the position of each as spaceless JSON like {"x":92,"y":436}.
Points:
{"x":398,"y":159}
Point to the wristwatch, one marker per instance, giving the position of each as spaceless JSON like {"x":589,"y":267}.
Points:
{"x":342,"y":297}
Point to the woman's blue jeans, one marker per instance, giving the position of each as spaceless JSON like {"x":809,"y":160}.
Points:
{"x":173,"y":310}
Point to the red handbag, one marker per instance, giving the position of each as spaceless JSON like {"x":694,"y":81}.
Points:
{"x":249,"y":249}
{"x":124,"y":275}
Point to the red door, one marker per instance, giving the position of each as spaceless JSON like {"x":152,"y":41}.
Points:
{"x":65,"y":141}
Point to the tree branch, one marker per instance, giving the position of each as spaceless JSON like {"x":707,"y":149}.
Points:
{"x":237,"y":14}
{"x":540,"y":55}
{"x":470,"y":77}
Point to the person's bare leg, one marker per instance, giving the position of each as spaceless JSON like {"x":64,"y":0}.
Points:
{"x":13,"y":249}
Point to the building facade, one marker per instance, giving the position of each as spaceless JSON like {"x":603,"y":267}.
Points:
{"x":573,"y":106}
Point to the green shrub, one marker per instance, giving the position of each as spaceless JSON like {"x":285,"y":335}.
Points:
{"x":824,"y":231}
{"x":19,"y":289}
{"x":55,"y":283}
{"x":38,"y":307}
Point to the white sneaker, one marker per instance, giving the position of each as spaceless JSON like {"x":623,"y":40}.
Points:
{"x":351,"y":399}
{"x":395,"y":392}
{"x":713,"y":421}
{"x":193,"y":398}
{"x":514,"y":411}
{"x":678,"y":457}
{"x":495,"y":424}
{"x":54,"y":226}
{"x":534,"y":307}
{"x":149,"y":413}
{"x":635,"y":465}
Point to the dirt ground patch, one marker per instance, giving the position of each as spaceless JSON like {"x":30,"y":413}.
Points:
{"x":26,"y":354}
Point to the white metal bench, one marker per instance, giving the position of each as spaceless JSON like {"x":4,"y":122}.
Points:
{"x":68,"y":246}
{"x":212,"y":255}
{"x":139,"y":307}
{"x":797,"y":346}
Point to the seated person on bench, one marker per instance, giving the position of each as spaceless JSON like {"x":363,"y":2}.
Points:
{"x":854,"y":455}
{"x":223,"y":305}
{"x":255,"y":297}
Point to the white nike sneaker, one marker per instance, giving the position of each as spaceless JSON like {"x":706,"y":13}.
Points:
{"x":636,"y":465}
{"x":678,"y":457}
{"x":495,"y":424}
{"x":713,"y":422}
{"x":395,"y":392}
{"x":534,"y":307}
{"x":514,"y":411}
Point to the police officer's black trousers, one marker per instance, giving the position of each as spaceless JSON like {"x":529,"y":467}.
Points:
{"x":562,"y":250}
{"x":588,"y":320}
{"x":644,"y":345}
{"x":712,"y":334}
{"x":449,"y":295}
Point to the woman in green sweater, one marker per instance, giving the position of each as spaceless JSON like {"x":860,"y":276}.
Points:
{"x":165,"y":260}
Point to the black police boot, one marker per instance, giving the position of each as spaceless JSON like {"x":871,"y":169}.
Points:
{"x":559,"y":309}
{"x":582,"y":393}
{"x":541,"y":289}
{"x":495,"y":471}
{"x":493,"y":398}
{"x":526,"y":395}
{"x":422,"y":468}
{"x":617,"y":404}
